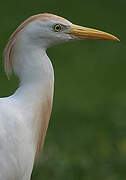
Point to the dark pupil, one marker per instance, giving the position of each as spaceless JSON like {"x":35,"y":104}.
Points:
{"x":57,"y":27}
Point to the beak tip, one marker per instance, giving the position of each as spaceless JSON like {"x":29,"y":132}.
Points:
{"x":117,"y":39}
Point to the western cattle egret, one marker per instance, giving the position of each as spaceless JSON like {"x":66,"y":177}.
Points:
{"x":24,"y":116}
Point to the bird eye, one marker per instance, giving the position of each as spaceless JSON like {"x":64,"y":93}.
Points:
{"x":57,"y":27}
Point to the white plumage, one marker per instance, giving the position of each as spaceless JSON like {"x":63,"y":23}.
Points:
{"x":24,"y":116}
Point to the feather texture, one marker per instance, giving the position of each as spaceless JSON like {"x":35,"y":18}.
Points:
{"x":8,"y":52}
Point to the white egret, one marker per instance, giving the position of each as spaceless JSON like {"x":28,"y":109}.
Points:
{"x":24,"y":116}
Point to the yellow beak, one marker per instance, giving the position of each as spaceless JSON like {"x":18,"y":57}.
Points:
{"x":88,"y":33}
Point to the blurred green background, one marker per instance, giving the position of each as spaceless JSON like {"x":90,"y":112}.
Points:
{"x":86,"y":138}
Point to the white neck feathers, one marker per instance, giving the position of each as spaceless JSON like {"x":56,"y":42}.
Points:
{"x":35,"y":94}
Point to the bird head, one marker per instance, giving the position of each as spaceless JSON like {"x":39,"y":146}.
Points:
{"x":45,"y":30}
{"x":48,"y":29}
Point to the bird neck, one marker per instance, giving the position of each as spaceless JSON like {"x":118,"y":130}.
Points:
{"x":35,"y":71}
{"x":35,"y":94}
{"x":31,"y":63}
